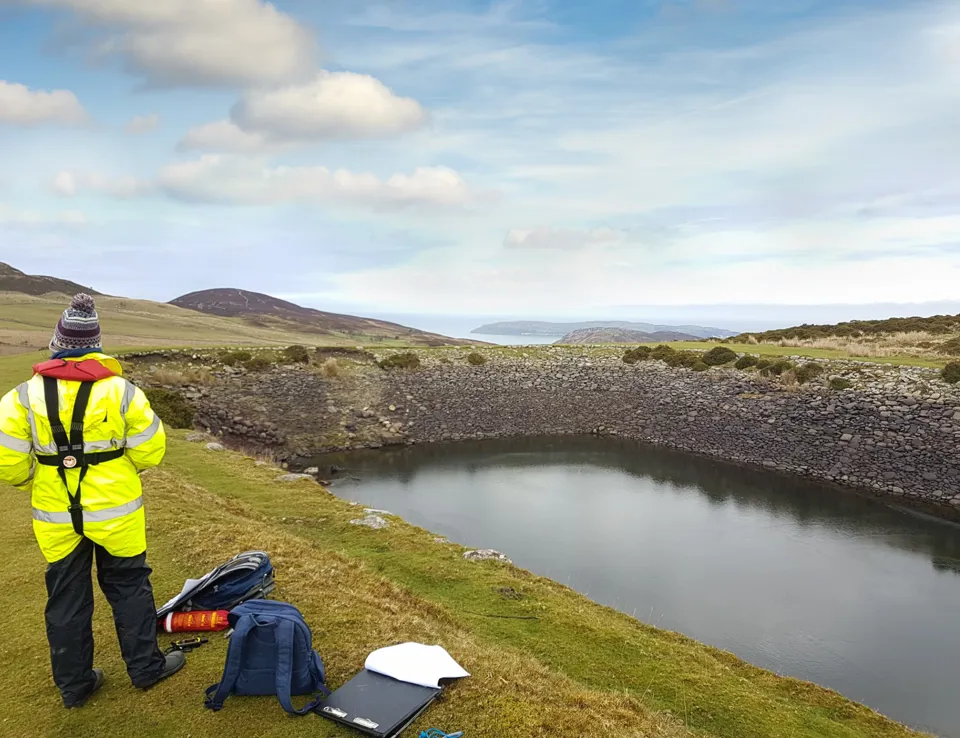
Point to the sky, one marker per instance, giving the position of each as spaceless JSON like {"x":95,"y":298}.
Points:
{"x":522,"y":158}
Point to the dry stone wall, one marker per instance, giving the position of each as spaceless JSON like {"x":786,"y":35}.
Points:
{"x":896,"y":432}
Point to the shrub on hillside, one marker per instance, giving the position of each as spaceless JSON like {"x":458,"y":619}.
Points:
{"x":951,"y":373}
{"x":640,"y":353}
{"x":297,"y":354}
{"x":700,"y":367}
{"x":950,"y":348}
{"x":719,"y":355}
{"x":662,"y":353}
{"x":258,"y":364}
{"x":808,"y":372}
{"x":172,"y":408}
{"x":232,"y":358}
{"x":406,"y":360}
{"x":685,"y":359}
{"x":763,"y":364}
{"x":779,"y":367}
{"x":330,"y":368}
{"x":839,"y":383}
{"x":476,"y":359}
{"x":746,"y":361}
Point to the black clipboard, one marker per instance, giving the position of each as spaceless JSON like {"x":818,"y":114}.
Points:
{"x":377,"y":705}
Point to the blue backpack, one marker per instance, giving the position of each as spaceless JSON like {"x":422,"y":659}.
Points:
{"x":270,"y":652}
{"x":246,"y":576}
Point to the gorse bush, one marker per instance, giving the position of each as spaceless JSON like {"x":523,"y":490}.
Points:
{"x":719,"y":355}
{"x":233,"y":358}
{"x":950,"y":348}
{"x":258,"y":364}
{"x":839,"y":383}
{"x":951,"y":373}
{"x":746,"y":361}
{"x":808,"y":372}
{"x":685,"y":359}
{"x":700,"y":367}
{"x":640,"y":353}
{"x":297,"y":354}
{"x":476,"y":359}
{"x":406,"y":360}
{"x":779,"y":367}
{"x":171,"y":407}
{"x":661,"y":353}
{"x":936,"y":324}
{"x":763,"y":364}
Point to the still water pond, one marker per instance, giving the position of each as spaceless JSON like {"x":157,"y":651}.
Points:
{"x":802,"y":579}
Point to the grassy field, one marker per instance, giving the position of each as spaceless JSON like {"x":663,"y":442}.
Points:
{"x":27,"y":323}
{"x":545,"y":660}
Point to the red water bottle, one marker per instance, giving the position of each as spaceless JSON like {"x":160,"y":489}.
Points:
{"x":195,"y":622}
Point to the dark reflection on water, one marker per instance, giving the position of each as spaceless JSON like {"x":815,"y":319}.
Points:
{"x":793,"y":576}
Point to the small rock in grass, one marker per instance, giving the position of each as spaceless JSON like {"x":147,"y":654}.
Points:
{"x":313,"y":470}
{"x":215,"y":447}
{"x":197,"y":437}
{"x":371,"y":521}
{"x":293,"y":477}
{"x":374,"y":511}
{"x":486,"y":554}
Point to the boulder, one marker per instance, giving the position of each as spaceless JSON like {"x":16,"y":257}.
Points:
{"x":371,"y":521}
{"x":486,"y":554}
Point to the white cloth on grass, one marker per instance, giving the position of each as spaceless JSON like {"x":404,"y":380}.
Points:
{"x":415,"y":663}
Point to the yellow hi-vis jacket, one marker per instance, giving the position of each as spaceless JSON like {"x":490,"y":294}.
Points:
{"x":118,"y":416}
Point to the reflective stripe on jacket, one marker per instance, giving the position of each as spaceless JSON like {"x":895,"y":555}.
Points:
{"x":118,"y":416}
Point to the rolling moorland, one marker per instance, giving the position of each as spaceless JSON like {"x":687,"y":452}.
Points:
{"x":30,"y":306}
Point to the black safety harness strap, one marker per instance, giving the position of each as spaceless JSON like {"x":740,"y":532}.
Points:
{"x":70,"y":453}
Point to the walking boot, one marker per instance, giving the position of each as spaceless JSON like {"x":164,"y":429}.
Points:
{"x":98,"y":679}
{"x":175,"y":661}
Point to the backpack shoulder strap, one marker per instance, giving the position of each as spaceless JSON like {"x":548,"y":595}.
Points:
{"x":286,"y":640}
{"x":218,"y":693}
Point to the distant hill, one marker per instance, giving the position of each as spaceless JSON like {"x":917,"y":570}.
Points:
{"x":30,"y":306}
{"x":13,"y":280}
{"x":622,"y":335}
{"x":263,"y":310}
{"x":544,"y":328}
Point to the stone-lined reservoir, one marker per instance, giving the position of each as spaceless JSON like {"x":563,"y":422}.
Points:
{"x":803,"y":579}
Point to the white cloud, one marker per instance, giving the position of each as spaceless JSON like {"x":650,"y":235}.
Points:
{"x":908,"y":259}
{"x":225,"y":136}
{"x":142,"y":124}
{"x":199,"y":42}
{"x":69,"y":184}
{"x":562,"y":239}
{"x":336,"y":105}
{"x":244,"y":181}
{"x":11,"y":217}
{"x":19,"y":105}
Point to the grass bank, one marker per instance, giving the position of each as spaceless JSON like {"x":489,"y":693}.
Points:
{"x":545,"y":660}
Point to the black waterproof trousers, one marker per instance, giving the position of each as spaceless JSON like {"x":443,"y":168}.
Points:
{"x":126,"y":584}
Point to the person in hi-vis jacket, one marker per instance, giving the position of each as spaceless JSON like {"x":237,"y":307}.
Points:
{"x":77,"y":435}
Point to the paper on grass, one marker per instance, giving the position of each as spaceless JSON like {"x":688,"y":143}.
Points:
{"x":415,"y":663}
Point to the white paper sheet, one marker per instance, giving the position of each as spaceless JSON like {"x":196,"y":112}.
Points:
{"x":415,"y":663}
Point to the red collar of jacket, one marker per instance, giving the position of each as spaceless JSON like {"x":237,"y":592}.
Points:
{"x":89,"y":370}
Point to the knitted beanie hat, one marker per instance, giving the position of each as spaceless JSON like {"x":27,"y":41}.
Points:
{"x":78,"y":327}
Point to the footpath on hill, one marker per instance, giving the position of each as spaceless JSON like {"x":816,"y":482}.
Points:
{"x":545,"y":660}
